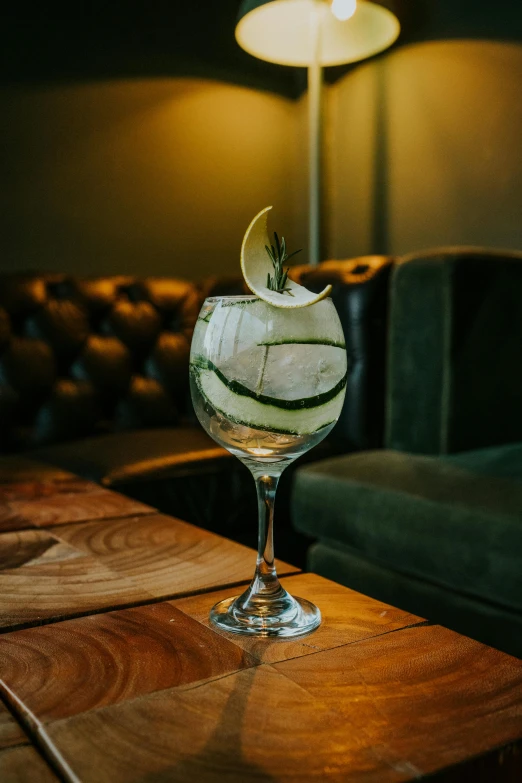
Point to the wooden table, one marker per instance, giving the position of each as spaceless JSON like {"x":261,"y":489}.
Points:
{"x":110,"y":672}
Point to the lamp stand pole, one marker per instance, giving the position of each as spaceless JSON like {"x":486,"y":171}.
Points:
{"x":315,"y":85}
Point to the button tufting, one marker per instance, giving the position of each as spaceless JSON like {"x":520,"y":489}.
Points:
{"x":69,"y":348}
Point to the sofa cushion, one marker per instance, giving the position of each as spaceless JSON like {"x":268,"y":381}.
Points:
{"x":494,"y":625}
{"x":500,"y":461}
{"x":436,"y":519}
{"x":124,"y":457}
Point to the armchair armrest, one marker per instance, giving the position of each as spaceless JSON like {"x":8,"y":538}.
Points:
{"x":454,"y":375}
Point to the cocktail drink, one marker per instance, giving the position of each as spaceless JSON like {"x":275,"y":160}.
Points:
{"x":268,"y":384}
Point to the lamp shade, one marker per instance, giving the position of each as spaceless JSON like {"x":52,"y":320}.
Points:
{"x":280,"y":31}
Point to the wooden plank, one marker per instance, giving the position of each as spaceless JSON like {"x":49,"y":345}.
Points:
{"x":95,"y":566}
{"x":10,"y":520}
{"x":67,"y":668}
{"x":372,"y":697}
{"x":43,"y":488}
{"x":35,"y":494}
{"x":347,"y":617}
{"x":166,"y":556}
{"x":60,"y":501}
{"x":11,"y":732}
{"x":426,"y":695}
{"x":24,"y":765}
{"x":16,"y":469}
{"x":251,"y":725}
{"x":18,"y":478}
{"x":44,"y":578}
{"x":396,"y":707}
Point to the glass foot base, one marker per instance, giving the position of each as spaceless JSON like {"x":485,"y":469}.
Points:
{"x":287,"y":616}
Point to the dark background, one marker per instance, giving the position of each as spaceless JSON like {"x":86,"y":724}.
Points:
{"x":49,"y":42}
{"x":140,"y":138}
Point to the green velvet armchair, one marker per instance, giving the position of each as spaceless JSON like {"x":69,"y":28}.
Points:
{"x":433,"y":522}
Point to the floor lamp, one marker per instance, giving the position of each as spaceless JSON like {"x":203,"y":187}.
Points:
{"x":315,"y":33}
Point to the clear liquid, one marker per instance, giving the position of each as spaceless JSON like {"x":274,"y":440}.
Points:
{"x":267,"y":384}
{"x":248,"y":442}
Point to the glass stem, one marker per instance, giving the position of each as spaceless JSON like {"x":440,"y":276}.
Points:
{"x":265,"y":582}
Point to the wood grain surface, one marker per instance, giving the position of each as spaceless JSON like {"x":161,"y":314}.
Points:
{"x":33,"y":494}
{"x":11,"y":732}
{"x":165,"y":556}
{"x":60,"y":501}
{"x":70,"y":667}
{"x":426,"y":694}
{"x":254,"y":725}
{"x":24,"y":764}
{"x":133,"y":696}
{"x":94,"y":566}
{"x":16,"y":469}
{"x":118,"y":686}
{"x":43,"y":578}
{"x":347,"y":617}
{"x":392,"y":708}
{"x":21,"y":479}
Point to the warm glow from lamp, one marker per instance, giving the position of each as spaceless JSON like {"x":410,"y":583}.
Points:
{"x":314,"y":34}
{"x":280,"y":32}
{"x":343,"y":9}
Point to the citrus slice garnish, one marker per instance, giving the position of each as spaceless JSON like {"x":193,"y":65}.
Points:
{"x":256,"y":265}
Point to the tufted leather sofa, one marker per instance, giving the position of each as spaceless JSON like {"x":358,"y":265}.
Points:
{"x":360,"y":293}
{"x":83,"y":357}
{"x":94,"y":378}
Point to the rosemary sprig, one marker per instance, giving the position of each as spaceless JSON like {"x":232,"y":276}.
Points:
{"x":278,"y":257}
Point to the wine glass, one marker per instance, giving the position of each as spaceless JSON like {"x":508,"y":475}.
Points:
{"x":268,"y":384}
